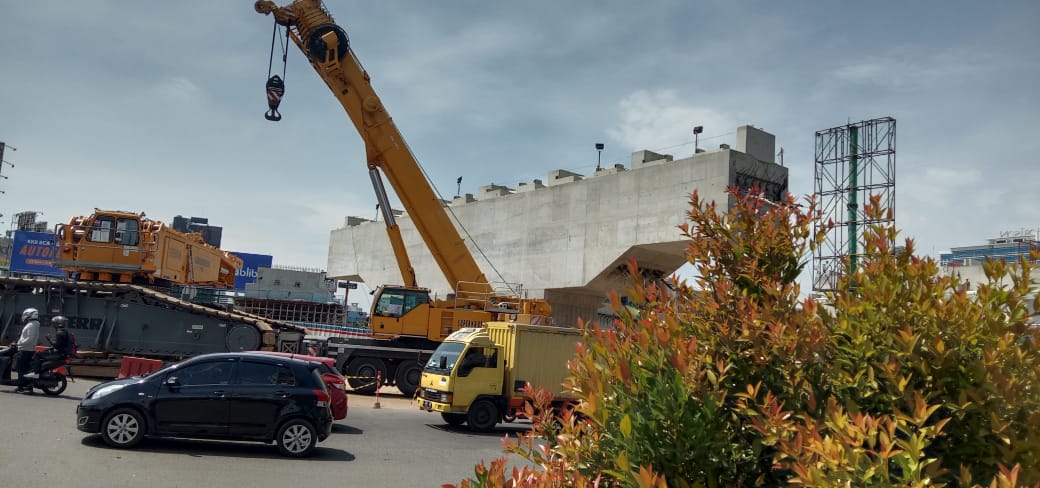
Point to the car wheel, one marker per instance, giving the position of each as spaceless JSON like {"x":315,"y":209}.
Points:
{"x":296,"y":438}
{"x":454,"y":419}
{"x":363,"y":372}
{"x":482,"y":416}
{"x":408,"y":375}
{"x":123,"y":428}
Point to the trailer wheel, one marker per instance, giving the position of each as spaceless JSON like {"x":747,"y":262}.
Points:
{"x":482,"y":416}
{"x":454,"y":419}
{"x":362,"y":374}
{"x":407,"y":377}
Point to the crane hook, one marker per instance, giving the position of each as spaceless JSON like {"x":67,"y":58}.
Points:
{"x":275,"y":90}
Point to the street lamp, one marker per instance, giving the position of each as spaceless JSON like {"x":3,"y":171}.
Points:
{"x":599,"y":155}
{"x":696,"y":137}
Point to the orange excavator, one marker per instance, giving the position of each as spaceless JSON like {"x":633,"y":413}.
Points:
{"x":125,"y":247}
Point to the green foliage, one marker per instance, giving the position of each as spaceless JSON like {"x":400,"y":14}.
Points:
{"x":731,"y":380}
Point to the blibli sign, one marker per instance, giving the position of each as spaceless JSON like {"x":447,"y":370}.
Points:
{"x":251,"y":263}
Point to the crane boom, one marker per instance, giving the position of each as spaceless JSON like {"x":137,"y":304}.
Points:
{"x":327,"y":48}
{"x":406,"y":322}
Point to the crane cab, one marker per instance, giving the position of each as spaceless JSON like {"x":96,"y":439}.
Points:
{"x":401,"y":311}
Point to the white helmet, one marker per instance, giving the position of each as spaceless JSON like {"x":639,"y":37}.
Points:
{"x":30,"y":314}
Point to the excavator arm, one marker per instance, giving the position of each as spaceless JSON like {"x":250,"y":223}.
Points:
{"x":327,"y":48}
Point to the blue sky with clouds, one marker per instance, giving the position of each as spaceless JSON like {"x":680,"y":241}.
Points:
{"x":158,"y":106}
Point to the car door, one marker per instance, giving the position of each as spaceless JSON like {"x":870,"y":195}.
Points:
{"x":263,"y":390}
{"x":194,"y":399}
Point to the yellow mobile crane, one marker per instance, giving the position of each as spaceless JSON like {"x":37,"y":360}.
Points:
{"x":406,"y":323}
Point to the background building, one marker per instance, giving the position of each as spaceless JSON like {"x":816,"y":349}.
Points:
{"x":210,"y":233}
{"x":966,"y":262}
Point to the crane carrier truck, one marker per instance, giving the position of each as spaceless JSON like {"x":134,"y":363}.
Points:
{"x":406,"y":323}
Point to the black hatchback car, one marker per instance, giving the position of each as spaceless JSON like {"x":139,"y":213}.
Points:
{"x":235,"y":396}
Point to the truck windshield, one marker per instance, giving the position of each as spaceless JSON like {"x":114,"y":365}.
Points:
{"x":450,"y":352}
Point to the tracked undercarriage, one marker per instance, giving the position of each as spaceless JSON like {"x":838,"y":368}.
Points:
{"x":112,"y":319}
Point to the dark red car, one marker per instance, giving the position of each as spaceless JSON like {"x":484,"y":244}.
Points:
{"x":334,"y":381}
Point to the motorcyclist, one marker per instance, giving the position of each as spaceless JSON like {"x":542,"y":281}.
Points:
{"x":27,"y":348}
{"x":59,"y":345}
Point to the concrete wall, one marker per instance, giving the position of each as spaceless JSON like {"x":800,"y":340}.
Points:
{"x":567,"y":241}
{"x":291,"y":284}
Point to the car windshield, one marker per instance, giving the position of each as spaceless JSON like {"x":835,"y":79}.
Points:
{"x":449,"y":351}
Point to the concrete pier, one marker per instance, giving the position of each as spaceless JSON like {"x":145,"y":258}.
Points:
{"x":568,"y":238}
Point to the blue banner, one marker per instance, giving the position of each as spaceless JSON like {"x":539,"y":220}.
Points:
{"x":33,"y":253}
{"x":251,"y":263}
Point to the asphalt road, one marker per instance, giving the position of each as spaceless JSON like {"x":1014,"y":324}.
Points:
{"x":393,"y":446}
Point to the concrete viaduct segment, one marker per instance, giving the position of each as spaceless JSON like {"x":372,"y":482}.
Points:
{"x":568,"y":238}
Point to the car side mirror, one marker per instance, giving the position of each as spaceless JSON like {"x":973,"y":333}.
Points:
{"x":173,"y":382}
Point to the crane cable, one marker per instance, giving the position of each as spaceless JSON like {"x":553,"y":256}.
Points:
{"x":275,"y":83}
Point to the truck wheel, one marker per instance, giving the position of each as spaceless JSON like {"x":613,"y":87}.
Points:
{"x":454,"y":419}
{"x":408,"y":375}
{"x":482,"y":416}
{"x":362,"y":374}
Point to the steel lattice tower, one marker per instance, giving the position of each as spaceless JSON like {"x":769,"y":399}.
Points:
{"x":853,"y":162}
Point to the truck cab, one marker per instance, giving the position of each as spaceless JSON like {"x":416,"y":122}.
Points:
{"x":477,"y":376}
{"x":466,"y":370}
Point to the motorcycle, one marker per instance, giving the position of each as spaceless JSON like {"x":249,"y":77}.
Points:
{"x":53,"y":376}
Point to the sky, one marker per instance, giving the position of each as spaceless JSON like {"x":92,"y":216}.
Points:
{"x":157,"y":107}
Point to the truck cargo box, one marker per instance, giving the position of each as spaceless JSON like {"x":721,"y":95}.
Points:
{"x":535,"y":354}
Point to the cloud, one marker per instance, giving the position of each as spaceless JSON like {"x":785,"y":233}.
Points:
{"x":177,"y":89}
{"x":906,"y":68}
{"x":661,"y":120}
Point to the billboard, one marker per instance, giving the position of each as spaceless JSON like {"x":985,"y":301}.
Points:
{"x":33,"y":253}
{"x":251,"y":263}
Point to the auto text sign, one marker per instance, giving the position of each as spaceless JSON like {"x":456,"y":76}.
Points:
{"x":251,"y":263}
{"x":33,"y":253}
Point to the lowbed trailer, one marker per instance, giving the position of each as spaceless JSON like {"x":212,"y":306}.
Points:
{"x":114,"y":319}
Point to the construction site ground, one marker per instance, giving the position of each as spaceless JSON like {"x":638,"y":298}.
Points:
{"x":394,"y":445}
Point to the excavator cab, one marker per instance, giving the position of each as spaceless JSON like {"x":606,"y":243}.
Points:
{"x":103,"y":237}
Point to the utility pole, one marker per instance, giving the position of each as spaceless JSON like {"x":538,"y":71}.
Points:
{"x":4,"y":146}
